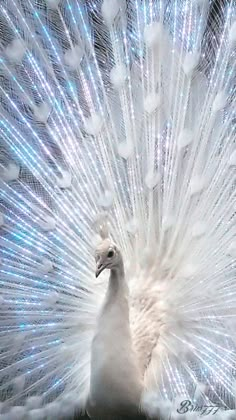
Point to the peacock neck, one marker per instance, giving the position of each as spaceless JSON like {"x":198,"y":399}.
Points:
{"x":116,"y":298}
{"x":117,"y":286}
{"x":114,"y":370}
{"x":118,"y":272}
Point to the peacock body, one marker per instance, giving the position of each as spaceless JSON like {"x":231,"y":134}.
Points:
{"x":117,"y":117}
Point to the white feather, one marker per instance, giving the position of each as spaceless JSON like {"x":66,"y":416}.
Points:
{"x":232,"y":34}
{"x":118,"y":76}
{"x":117,"y":121}
{"x":15,"y":50}
{"x":73,"y":57}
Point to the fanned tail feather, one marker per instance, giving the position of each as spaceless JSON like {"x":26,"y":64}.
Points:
{"x":117,"y":118}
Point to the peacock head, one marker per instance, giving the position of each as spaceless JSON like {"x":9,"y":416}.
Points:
{"x":107,"y":255}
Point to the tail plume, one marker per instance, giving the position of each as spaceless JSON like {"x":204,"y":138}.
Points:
{"x":117,"y":119}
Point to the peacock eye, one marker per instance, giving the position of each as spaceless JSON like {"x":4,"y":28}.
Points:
{"x":110,"y":254}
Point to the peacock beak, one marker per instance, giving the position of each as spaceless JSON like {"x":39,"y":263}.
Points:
{"x":99,"y":269}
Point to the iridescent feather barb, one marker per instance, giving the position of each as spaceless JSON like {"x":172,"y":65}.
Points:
{"x":124,"y":110}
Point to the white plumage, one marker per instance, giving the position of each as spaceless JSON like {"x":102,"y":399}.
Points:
{"x":115,"y":375}
{"x":117,"y":119}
